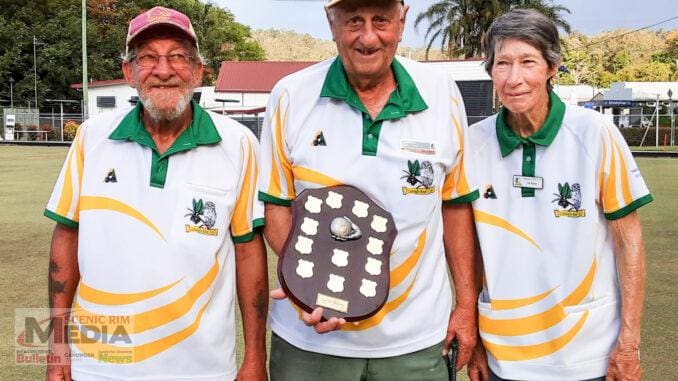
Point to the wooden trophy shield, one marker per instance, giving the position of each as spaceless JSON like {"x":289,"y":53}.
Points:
{"x":336,"y":255}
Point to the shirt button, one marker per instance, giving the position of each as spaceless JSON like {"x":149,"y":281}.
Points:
{"x":370,"y":136}
{"x":528,"y":159}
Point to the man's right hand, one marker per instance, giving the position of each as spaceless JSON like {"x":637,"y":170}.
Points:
{"x":314,"y":319}
{"x":59,"y":369}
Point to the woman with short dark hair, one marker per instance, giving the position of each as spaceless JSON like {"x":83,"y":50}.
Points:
{"x":561,"y":241}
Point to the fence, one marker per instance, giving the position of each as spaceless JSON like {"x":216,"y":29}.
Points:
{"x":33,"y":126}
{"x":645,"y":125}
{"x":639,"y":129}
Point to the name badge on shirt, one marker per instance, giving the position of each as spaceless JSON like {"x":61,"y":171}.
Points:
{"x":425,"y":148}
{"x":528,"y":182}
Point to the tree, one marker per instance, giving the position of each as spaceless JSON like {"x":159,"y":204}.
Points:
{"x":619,"y":55}
{"x":460,"y":25}
{"x":57,"y":25}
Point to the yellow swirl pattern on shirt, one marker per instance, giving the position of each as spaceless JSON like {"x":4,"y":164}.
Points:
{"x":105,"y":203}
{"x":490,"y":219}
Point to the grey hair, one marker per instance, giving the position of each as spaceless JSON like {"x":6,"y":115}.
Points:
{"x":527,"y":25}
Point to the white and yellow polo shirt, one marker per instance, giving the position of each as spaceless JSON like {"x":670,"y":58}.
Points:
{"x":156,"y":245}
{"x":409,"y":160}
{"x":550,"y":307}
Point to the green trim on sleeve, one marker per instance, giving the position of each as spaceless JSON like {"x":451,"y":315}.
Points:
{"x":464,"y":199}
{"x":265,"y":197}
{"x":258,"y":222}
{"x":244,"y":238}
{"x":630,"y":207}
{"x":60,"y":219}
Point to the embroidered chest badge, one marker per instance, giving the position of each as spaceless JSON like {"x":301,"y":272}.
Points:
{"x":420,"y":178}
{"x":569,"y":199}
{"x":203,"y":215}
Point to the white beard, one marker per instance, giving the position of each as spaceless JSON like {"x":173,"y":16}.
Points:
{"x":159,"y":115}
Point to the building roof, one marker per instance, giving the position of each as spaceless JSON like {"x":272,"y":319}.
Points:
{"x":254,"y":76}
{"x":472,"y":69}
{"x":110,"y":82}
{"x":638,"y":91}
{"x":261,"y":76}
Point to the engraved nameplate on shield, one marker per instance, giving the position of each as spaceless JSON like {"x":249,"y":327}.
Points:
{"x":336,"y":255}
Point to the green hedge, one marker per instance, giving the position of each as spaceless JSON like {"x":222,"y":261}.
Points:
{"x":634,"y":135}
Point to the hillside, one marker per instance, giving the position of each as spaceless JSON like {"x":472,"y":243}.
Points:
{"x":286,"y":45}
{"x":619,"y":55}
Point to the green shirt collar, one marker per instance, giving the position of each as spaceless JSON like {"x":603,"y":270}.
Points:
{"x":508,"y":140}
{"x":404,"y":99}
{"x":201,"y":131}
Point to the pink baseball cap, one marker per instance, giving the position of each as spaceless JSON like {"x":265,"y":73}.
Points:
{"x":160,"y":16}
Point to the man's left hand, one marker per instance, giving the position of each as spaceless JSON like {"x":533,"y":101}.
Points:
{"x":624,"y":364}
{"x":463,"y":327}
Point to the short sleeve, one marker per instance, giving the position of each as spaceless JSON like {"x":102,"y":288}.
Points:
{"x":457,"y":187}
{"x":248,"y":213}
{"x":62,"y":206}
{"x":621,"y":185}
{"x":276,"y":183}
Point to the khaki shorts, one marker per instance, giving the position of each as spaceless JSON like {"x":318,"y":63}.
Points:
{"x":289,"y":363}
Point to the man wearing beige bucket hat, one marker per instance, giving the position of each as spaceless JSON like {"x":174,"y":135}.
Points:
{"x":156,"y":230}
{"x":396,"y":130}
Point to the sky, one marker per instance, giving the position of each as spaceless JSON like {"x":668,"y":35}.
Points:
{"x":587,"y":16}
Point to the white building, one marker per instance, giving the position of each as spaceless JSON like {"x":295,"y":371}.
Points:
{"x":641,"y":91}
{"x":243,"y":88}
{"x":573,"y":94}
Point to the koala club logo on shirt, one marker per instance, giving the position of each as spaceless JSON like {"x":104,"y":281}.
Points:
{"x":419,"y":176}
{"x":569,"y":198}
{"x":203,"y":215}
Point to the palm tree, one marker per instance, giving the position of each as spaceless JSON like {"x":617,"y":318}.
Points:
{"x":460,"y":25}
{"x":551,"y":11}
{"x":445,"y":24}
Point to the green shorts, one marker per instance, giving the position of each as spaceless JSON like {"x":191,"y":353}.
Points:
{"x":289,"y":363}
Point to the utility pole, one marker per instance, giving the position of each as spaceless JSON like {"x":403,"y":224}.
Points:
{"x":11,"y":93}
{"x":35,"y":72}
{"x":84,"y":61}
{"x":670,"y":94}
{"x":656,"y":135}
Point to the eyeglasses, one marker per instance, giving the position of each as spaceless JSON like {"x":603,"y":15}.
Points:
{"x":176,"y":60}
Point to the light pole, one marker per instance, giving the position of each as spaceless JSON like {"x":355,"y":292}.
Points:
{"x":85,"y":90}
{"x":35,"y":72}
{"x":670,"y":94}
{"x":656,"y":134}
{"x":11,"y":93}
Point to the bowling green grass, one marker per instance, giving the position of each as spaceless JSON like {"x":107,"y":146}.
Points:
{"x":27,"y":175}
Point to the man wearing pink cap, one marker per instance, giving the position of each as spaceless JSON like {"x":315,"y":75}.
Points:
{"x":156,"y":229}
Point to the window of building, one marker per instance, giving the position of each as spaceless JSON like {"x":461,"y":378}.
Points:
{"x":106,"y":102}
